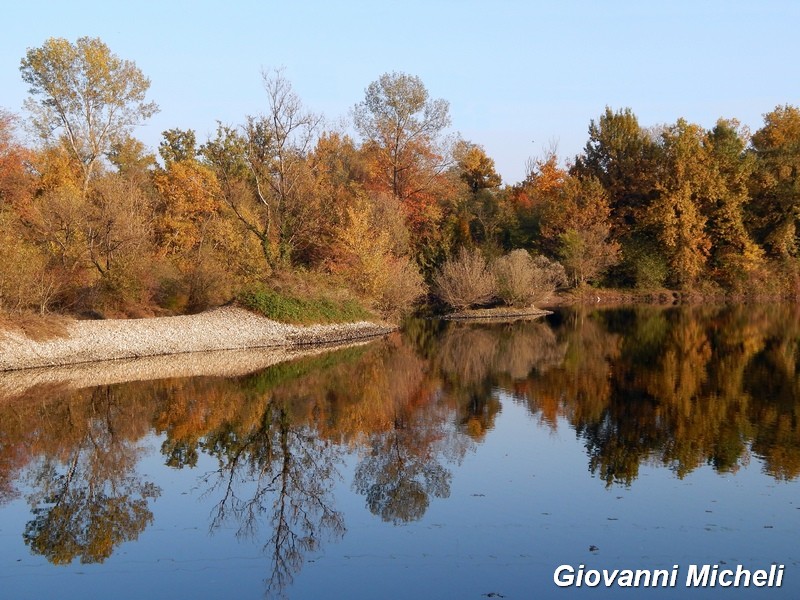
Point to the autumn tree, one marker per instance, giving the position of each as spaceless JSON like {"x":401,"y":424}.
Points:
{"x":475,"y":167}
{"x":16,"y":182}
{"x":477,"y":215}
{"x":407,"y":154}
{"x":134,"y":161}
{"x":188,"y":195}
{"x":734,"y":253}
{"x":24,"y":281}
{"x":532,"y":201}
{"x":402,"y":124}
{"x":776,"y":184}
{"x":339,"y":176}
{"x":677,"y":214}
{"x":575,"y":224}
{"x":84,"y":97}
{"x":270,"y":155}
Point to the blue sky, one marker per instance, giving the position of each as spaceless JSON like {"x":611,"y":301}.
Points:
{"x":518,"y":75}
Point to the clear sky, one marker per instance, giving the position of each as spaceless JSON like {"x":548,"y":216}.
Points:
{"x":519,"y":75}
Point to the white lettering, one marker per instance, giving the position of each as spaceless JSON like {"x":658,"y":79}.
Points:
{"x":695,"y":577}
{"x":592,"y":578}
{"x":658,"y":573}
{"x":564,"y":580}
{"x":608,"y":578}
{"x":626,"y":579}
{"x":723,"y":581}
{"x":760,"y":578}
{"x":741,"y":571}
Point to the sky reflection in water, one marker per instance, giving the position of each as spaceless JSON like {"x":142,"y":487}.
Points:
{"x":453,"y":461}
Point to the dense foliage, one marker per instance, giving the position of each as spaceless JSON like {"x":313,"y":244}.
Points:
{"x":92,"y":222}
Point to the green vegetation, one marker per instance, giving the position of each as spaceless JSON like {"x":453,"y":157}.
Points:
{"x":91,"y":222}
{"x":303,"y":311}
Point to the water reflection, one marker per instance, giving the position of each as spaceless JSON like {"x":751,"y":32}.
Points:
{"x":680,"y":388}
{"x":276,"y":475}
{"x":85,"y":499}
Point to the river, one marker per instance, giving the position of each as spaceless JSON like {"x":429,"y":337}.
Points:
{"x":449,"y":460}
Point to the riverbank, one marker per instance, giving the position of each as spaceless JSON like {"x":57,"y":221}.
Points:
{"x":225,"y":328}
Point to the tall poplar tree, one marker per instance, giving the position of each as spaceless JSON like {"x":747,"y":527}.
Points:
{"x":84,"y":96}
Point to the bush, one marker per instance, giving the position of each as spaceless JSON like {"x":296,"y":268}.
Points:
{"x":465,"y":281}
{"x":369,"y":254}
{"x":548,"y":276}
{"x":514,"y":276}
{"x":522,"y":280}
{"x":401,"y":289}
{"x":25,"y":280}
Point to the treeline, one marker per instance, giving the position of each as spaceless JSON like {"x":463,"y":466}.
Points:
{"x":93,"y":221}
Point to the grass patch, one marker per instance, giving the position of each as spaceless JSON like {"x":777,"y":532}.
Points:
{"x":288,"y":308}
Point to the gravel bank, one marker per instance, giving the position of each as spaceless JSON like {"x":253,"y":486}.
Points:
{"x":226,"y":328}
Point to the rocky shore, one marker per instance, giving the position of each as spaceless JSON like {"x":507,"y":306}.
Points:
{"x":226,"y":328}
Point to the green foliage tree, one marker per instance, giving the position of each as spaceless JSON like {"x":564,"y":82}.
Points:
{"x":178,"y":145}
{"x":621,"y":155}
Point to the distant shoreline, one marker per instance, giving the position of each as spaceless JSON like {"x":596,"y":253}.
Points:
{"x":226,"y":328}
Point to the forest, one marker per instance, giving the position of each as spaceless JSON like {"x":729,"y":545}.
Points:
{"x":377,"y":213}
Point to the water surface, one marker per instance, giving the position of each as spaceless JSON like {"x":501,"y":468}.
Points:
{"x":450,"y":461}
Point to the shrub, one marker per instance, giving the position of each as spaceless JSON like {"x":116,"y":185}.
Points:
{"x":369,"y":254}
{"x":548,"y":275}
{"x":514,"y":276}
{"x":25,"y":280}
{"x":465,"y":281}
{"x":522,"y":280}
{"x":402,"y":288}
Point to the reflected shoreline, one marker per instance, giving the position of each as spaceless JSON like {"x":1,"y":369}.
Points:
{"x":215,"y":363}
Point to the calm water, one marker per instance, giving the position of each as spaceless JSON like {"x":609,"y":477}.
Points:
{"x":452,"y":461}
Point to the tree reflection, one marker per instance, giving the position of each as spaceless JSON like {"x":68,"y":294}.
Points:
{"x":281,"y":473}
{"x":475,"y":360}
{"x":86,"y":499}
{"x":75,"y":516}
{"x":680,"y":387}
{"x":402,"y":467}
{"x":773,"y":382}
